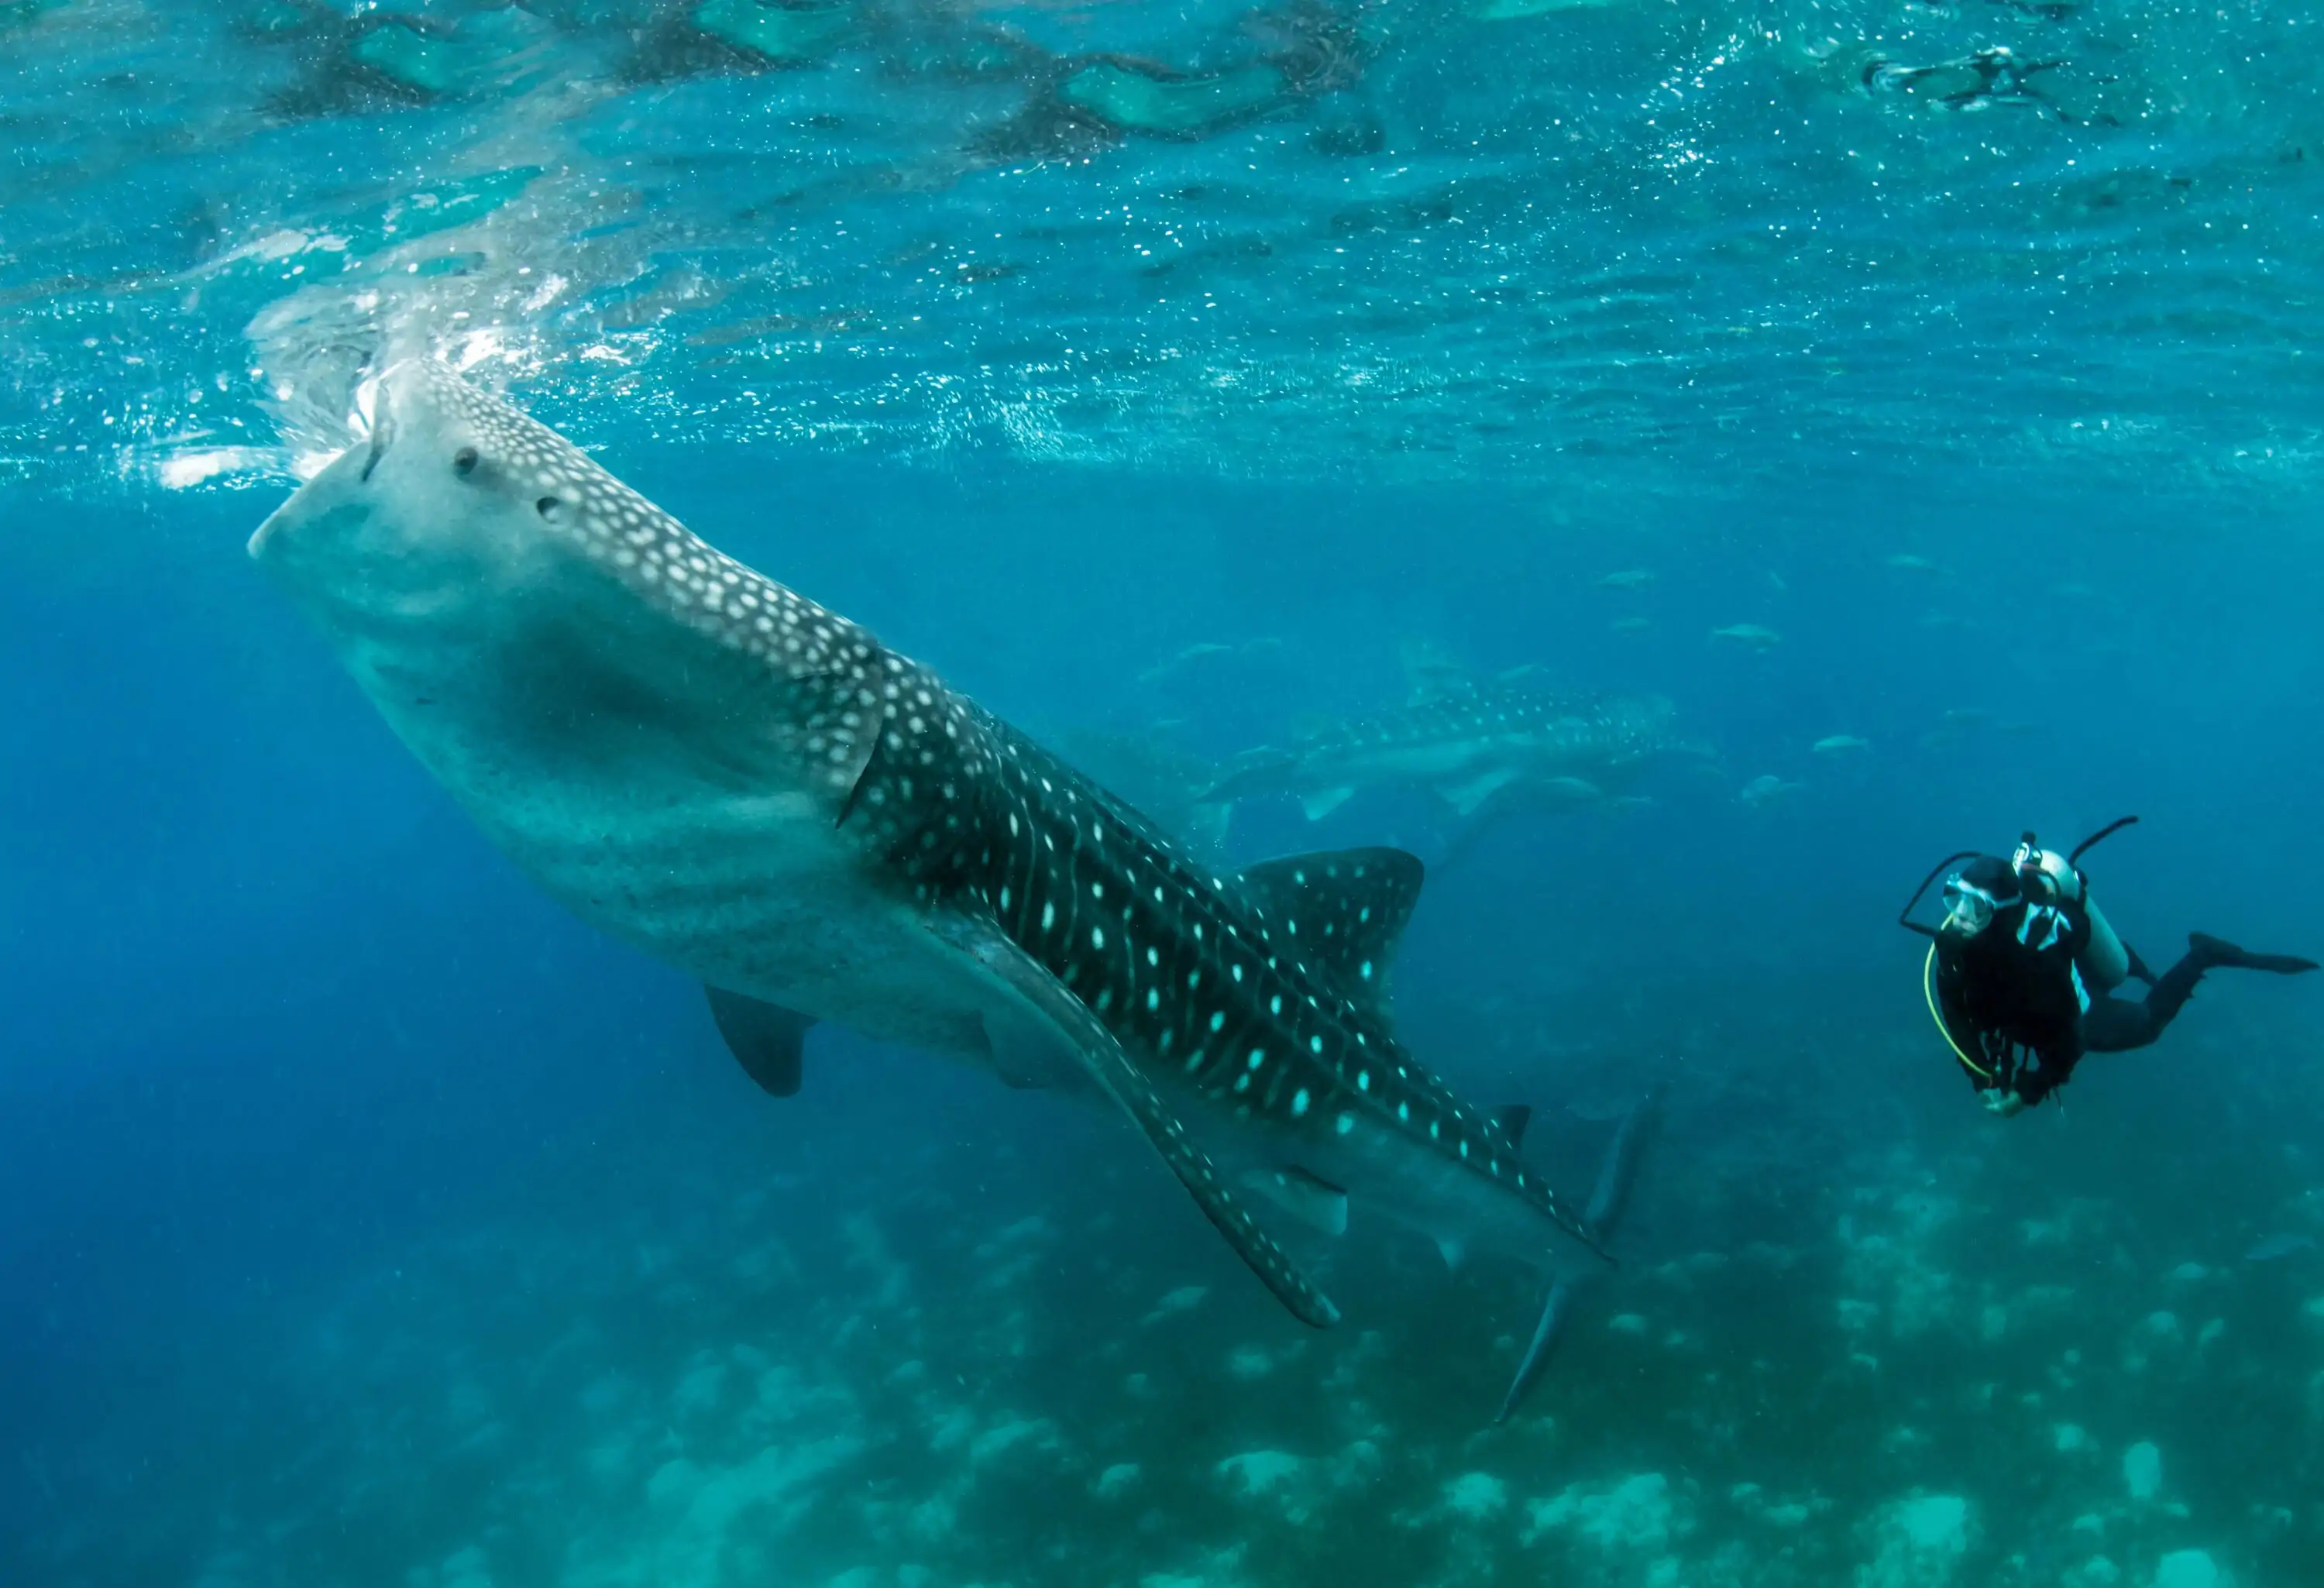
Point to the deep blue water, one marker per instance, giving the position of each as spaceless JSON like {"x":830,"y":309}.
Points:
{"x":365,"y":1219}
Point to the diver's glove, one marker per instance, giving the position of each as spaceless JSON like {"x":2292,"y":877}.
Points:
{"x":1998,"y":1101}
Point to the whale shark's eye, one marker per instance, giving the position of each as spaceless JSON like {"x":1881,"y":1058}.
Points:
{"x":549,"y":507}
{"x":463,"y":461}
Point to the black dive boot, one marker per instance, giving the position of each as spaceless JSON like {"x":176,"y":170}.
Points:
{"x":2168,"y":992}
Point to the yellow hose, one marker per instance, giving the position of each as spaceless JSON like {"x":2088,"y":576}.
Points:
{"x":1929,"y":992}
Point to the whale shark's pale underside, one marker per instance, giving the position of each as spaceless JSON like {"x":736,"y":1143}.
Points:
{"x":752,"y":788}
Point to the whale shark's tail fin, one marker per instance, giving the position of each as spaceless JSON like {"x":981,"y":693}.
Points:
{"x":1620,"y":1168}
{"x":1616,"y":1171}
{"x":1545,"y":1339}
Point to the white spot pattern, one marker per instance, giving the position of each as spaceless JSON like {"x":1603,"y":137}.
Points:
{"x":949,"y":801}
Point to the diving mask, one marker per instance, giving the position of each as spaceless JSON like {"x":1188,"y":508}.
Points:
{"x":1976,"y":892}
{"x":1969,"y":908}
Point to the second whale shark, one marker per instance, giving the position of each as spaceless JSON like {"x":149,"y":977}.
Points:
{"x":1479,"y":746}
{"x":749,"y":787}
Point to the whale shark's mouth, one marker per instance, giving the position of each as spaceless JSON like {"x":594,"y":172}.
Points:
{"x":369,"y":424}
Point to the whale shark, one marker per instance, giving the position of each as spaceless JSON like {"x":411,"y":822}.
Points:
{"x":749,"y":787}
{"x":1506,"y":742}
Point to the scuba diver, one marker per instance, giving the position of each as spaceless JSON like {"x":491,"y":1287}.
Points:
{"x":2020,"y":975}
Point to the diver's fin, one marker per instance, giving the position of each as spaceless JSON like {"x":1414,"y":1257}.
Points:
{"x":1312,"y":1200}
{"x":2139,"y":968}
{"x":1346,"y":907}
{"x":1464,"y":798}
{"x":1043,"y":995}
{"x":2216,"y":952}
{"x":1554,"y":1313}
{"x":767,"y":1039}
{"x":1513,"y":1118}
{"x":1322,"y":802}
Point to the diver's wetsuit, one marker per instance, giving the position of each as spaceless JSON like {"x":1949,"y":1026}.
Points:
{"x":2015,"y":1002}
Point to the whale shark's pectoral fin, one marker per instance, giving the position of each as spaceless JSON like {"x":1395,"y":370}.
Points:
{"x":1255,"y":771}
{"x":1465,"y":797}
{"x":1312,"y":1200}
{"x":1014,"y":1073}
{"x":1045,"y":999}
{"x":767,"y":1039}
{"x":1513,"y":1118}
{"x":1322,"y":802}
{"x":1575,"y":791}
{"x":1431,"y":674}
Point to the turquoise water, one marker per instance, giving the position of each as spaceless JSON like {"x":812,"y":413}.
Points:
{"x":1934,"y":429}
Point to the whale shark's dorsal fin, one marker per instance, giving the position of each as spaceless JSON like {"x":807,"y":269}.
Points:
{"x":1346,"y":907}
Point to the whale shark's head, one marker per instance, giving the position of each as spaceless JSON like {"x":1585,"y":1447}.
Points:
{"x":488,"y":584}
{"x":449,"y":497}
